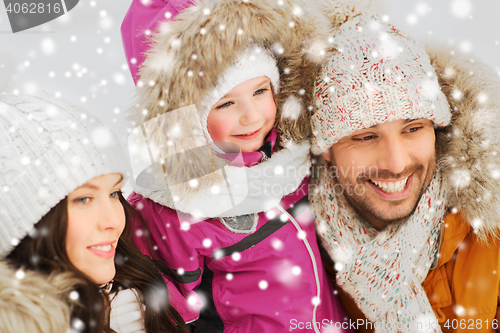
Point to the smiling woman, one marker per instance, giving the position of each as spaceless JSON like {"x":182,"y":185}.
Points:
{"x":96,"y":220}
{"x":62,"y":211}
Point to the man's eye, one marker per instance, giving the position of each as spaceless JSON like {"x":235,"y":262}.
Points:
{"x":225,"y":105}
{"x":364,"y":138}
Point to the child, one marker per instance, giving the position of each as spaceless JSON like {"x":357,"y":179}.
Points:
{"x":61,"y":211}
{"x":253,"y":258}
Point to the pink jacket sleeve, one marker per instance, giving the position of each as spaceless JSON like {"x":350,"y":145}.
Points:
{"x":177,"y":245}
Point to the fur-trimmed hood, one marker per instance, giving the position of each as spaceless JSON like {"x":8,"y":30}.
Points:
{"x":469,"y":148}
{"x":30,"y":302}
{"x":190,"y":53}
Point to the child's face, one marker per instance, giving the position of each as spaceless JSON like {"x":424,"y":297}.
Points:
{"x":96,"y":220}
{"x":244,"y":116}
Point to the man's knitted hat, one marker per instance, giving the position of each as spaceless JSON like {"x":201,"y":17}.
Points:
{"x":377,"y":75}
{"x":254,"y":62}
{"x":48,"y":148}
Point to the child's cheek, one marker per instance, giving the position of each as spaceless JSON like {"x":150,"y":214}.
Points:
{"x":271,"y":110}
{"x":218,"y":128}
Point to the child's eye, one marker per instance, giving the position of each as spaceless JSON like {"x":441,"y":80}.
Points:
{"x":225,"y":105}
{"x":83,"y":200}
{"x":260,"y":91}
{"x":115,"y":194}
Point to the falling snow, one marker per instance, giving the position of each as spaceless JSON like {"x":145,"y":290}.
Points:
{"x":461,"y":8}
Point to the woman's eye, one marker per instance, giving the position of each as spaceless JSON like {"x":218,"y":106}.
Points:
{"x":225,"y":105}
{"x":82,"y":200}
{"x":115,"y":194}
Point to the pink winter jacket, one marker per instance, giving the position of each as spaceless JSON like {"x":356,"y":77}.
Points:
{"x":266,"y":281}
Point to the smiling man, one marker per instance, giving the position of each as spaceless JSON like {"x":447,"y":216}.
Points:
{"x":401,"y":157}
{"x":394,"y":179}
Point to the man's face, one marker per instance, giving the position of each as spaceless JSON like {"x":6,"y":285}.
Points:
{"x":383,"y":170}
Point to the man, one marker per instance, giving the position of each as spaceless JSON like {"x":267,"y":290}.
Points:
{"x":406,"y":192}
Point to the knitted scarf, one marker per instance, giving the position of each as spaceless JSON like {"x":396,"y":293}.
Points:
{"x":383,"y":271}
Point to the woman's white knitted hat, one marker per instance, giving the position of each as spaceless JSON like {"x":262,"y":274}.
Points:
{"x":376,"y":75}
{"x":48,"y":148}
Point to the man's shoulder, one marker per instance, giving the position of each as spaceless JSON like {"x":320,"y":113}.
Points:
{"x":458,"y":230}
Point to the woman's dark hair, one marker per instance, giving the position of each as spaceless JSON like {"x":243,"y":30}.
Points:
{"x":44,"y":250}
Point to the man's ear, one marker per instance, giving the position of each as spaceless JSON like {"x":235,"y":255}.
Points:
{"x":326,"y":154}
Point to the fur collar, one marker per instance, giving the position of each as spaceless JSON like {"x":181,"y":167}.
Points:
{"x":242,"y":190}
{"x":469,"y":148}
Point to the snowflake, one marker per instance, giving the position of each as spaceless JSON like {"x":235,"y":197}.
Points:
{"x":207,"y":242}
{"x":292,"y":108}
{"x":48,"y":46}
{"x":102,"y":137}
{"x":461,"y":8}
{"x":263,"y":284}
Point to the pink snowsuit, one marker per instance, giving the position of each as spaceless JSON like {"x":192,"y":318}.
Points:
{"x":265,"y":281}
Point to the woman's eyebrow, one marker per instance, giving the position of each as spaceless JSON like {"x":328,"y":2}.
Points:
{"x":95,"y":187}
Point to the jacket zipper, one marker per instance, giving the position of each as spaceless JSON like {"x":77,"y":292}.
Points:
{"x":313,"y":260}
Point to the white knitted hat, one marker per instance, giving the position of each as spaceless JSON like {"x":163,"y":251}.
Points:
{"x":378,"y":75}
{"x":48,"y":148}
{"x":254,"y":62}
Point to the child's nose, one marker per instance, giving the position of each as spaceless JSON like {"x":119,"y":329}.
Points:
{"x":249,"y":114}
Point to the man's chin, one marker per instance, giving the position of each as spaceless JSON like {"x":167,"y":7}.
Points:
{"x":381,"y":214}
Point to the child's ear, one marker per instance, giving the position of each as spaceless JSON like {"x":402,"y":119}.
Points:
{"x":326,"y":154}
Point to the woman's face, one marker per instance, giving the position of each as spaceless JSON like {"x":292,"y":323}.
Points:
{"x":96,"y":220}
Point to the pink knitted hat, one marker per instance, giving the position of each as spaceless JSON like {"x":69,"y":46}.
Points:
{"x":142,"y":19}
{"x":376,"y":75}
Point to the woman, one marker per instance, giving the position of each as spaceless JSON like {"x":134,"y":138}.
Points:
{"x":61,"y":210}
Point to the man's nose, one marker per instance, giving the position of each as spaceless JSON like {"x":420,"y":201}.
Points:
{"x":394,"y":155}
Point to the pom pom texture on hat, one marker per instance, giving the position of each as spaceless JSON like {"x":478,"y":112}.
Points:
{"x":376,"y":75}
{"x":48,"y":148}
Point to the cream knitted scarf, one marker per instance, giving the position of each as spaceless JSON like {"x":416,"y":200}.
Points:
{"x":383,"y":271}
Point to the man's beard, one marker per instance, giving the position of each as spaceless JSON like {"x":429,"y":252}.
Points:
{"x":366,"y":208}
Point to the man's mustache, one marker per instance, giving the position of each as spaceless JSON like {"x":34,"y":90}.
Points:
{"x":386,"y":174}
